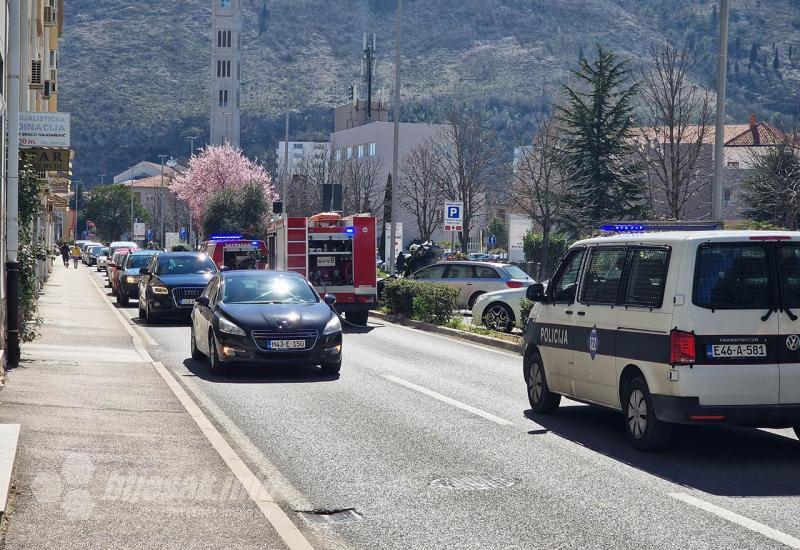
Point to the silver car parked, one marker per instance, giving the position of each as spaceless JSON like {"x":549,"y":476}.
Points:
{"x":474,"y":278}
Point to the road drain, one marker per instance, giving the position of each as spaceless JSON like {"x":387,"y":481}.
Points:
{"x":345,"y":515}
{"x":473,"y":482}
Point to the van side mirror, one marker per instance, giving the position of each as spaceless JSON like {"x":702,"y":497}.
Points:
{"x":330,"y":299}
{"x":144,"y":271}
{"x":535,"y":293}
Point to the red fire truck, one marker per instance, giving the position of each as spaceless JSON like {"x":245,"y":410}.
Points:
{"x":236,"y":252}
{"x":336,"y":254}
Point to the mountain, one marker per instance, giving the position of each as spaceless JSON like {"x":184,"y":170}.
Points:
{"x":135,"y":75}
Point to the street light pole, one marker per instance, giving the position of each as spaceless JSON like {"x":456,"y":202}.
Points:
{"x":393,"y":224}
{"x":284,"y":197}
{"x":130,"y":187}
{"x":161,"y":208}
{"x":12,"y":191}
{"x":188,"y":206}
{"x":719,"y":131}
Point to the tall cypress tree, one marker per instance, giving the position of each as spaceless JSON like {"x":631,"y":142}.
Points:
{"x":598,"y":120}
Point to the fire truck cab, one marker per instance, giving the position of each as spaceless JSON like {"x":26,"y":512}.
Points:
{"x":236,"y":252}
{"x":336,"y":254}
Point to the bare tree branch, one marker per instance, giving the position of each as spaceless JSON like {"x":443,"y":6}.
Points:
{"x":420,"y":192}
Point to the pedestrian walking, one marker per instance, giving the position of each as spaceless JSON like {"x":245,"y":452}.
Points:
{"x":65,"y":254}
{"x":75,"y":252}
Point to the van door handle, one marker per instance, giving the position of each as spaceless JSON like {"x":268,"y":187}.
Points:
{"x":569,"y":312}
{"x":581,"y":313}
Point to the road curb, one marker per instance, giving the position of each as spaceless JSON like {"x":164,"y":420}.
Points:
{"x":451,"y":332}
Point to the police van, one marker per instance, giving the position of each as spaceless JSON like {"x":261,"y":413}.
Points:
{"x":671,"y":327}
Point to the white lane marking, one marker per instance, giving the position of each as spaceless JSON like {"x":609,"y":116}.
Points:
{"x":453,"y":339}
{"x":449,"y":401}
{"x":743,"y":521}
{"x":288,"y":531}
{"x":129,"y":325}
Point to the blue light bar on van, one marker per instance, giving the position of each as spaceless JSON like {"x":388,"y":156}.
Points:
{"x":226,"y":237}
{"x":642,"y":227}
{"x":350,"y":230}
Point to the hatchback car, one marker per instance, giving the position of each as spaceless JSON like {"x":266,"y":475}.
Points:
{"x":268,"y":318}
{"x":128,"y":284}
{"x":171,"y":282}
{"x":474,"y":278}
{"x":89,"y":254}
{"x":102,"y":258}
{"x":114,"y":267}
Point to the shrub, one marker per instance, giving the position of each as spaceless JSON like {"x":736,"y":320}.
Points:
{"x":397,"y":296}
{"x":525,"y":307}
{"x":434,"y":303}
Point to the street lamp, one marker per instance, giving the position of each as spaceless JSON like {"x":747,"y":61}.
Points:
{"x":161,"y":208}
{"x":393,"y":224}
{"x":77,"y":206}
{"x":188,"y":206}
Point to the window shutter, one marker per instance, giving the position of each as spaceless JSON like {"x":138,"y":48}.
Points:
{"x":36,"y":74}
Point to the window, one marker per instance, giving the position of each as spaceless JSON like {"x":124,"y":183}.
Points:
{"x":733,"y":164}
{"x":565,"y":282}
{"x":261,"y":288}
{"x":297,"y":146}
{"x":349,"y":152}
{"x":648,"y":275}
{"x":727,"y":194}
{"x":224,"y":3}
{"x":431,"y":272}
{"x":515,"y":272}
{"x":223,"y":39}
{"x":603,"y":274}
{"x":338,"y":155}
{"x":361,"y":151}
{"x":372,"y":149}
{"x":790,"y":275}
{"x":219,"y":39}
{"x":220,"y":98}
{"x":185,"y":265}
{"x":486,"y":272}
{"x":459,"y":271}
{"x":732,"y":276}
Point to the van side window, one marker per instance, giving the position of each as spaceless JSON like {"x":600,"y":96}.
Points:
{"x":602,"y":275}
{"x":565,"y":282}
{"x":790,"y":274}
{"x":731,"y":276}
{"x":648,"y":275}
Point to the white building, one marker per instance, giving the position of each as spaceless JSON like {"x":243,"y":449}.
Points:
{"x":299,"y":153}
{"x":226,"y":56}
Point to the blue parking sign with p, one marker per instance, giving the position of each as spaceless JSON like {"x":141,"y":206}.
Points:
{"x":454,"y":212}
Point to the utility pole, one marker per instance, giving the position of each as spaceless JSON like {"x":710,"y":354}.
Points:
{"x":102,"y":178}
{"x":12,"y":198}
{"x":719,"y":132}
{"x":163,"y":238}
{"x":130,"y":186}
{"x":284,"y":192}
{"x":77,"y":206}
{"x":393,"y":232}
{"x":188,"y":206}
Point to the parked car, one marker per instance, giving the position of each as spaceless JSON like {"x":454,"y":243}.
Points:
{"x":91,"y":253}
{"x":102,"y":258}
{"x":128,"y":284}
{"x":85,"y":251}
{"x":265,"y":317}
{"x":498,"y":310}
{"x":120,"y":245}
{"x":116,"y":267}
{"x":171,"y":283}
{"x":474,"y":278}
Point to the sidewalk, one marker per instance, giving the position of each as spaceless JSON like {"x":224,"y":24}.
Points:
{"x":108,"y":457}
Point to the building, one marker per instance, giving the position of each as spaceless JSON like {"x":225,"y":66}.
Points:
{"x":146,"y":169}
{"x":226,"y":47}
{"x":300,"y":152}
{"x":149,"y":192}
{"x":357,"y":113}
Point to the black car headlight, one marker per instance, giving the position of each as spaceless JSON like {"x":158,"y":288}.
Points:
{"x":333,"y":326}
{"x":230,"y":328}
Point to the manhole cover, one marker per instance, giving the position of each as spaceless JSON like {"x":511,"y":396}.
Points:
{"x":346,"y":515}
{"x":475,"y":482}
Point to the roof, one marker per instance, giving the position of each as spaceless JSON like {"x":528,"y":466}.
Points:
{"x":735,"y":135}
{"x":665,"y":237}
{"x":151,"y":182}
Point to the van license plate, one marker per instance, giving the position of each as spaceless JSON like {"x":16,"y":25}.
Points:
{"x":736,"y":350}
{"x":287,"y":344}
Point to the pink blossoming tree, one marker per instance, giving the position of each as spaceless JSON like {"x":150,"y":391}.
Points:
{"x":216,"y":168}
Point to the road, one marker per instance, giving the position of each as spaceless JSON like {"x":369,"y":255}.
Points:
{"x":431,"y":442}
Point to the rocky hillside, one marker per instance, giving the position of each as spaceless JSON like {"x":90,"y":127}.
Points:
{"x":135,"y":75}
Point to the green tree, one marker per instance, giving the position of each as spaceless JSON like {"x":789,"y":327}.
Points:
{"x":499,"y":230}
{"x":772,"y":193}
{"x":31,"y":250}
{"x":109,"y":207}
{"x":242,"y":210}
{"x":597,"y":120}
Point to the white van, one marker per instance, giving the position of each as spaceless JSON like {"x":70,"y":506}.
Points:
{"x":674,"y":327}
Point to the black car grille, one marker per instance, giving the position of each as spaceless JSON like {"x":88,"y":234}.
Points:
{"x":179,"y":294}
{"x":262,"y":337}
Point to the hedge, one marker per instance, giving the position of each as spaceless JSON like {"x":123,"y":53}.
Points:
{"x":425,"y":301}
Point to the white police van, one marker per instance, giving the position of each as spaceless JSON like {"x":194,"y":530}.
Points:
{"x":671,"y":327}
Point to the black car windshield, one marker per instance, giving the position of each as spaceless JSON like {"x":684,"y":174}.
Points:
{"x":185,"y":265}
{"x":138,"y":260}
{"x":265,"y":288}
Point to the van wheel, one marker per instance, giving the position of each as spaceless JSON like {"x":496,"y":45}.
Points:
{"x":645,"y":431}
{"x":542,"y":400}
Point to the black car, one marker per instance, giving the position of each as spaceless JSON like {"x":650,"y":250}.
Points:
{"x":128,"y":286}
{"x":171,"y":282}
{"x":265,"y":317}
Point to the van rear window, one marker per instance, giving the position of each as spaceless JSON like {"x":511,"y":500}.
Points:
{"x":732,"y":276}
{"x":790,"y":275}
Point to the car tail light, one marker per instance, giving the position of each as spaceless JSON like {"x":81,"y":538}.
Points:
{"x":681,"y":348}
{"x":514,"y":284}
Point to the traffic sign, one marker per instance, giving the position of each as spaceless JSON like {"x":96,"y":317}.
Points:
{"x":138,"y":230}
{"x":148,"y":235}
{"x":491,"y":241}
{"x":453,"y":215}
{"x":182,"y":235}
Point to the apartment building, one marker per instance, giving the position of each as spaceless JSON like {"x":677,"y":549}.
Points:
{"x":300,"y":152}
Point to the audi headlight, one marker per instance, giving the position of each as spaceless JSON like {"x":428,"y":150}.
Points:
{"x":333,"y":326}
{"x":160,"y":290}
{"x":229,"y":328}
{"x":130,"y":279}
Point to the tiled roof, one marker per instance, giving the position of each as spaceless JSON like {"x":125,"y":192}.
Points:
{"x":735,"y":135}
{"x":154,"y":181}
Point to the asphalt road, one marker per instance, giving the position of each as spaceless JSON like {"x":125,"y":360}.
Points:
{"x":432,"y":443}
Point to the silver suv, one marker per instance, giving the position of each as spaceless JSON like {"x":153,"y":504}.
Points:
{"x":474,"y":278}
